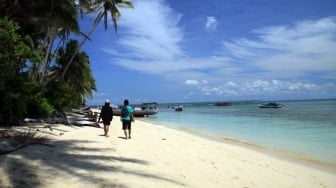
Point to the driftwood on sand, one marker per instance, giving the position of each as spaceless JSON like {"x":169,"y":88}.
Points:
{"x":85,"y":116}
{"x":12,"y":140}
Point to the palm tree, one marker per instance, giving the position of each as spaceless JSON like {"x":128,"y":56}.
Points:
{"x":79,"y":76}
{"x":103,"y":8}
{"x":56,"y":19}
{"x":44,"y":22}
{"x":7,"y":8}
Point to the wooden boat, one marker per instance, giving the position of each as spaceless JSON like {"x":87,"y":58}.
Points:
{"x":140,"y":110}
{"x":223,"y":103}
{"x":270,"y":105}
{"x":179,"y":108}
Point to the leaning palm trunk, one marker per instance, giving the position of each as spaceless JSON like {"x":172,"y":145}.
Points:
{"x":46,"y":61}
{"x":39,"y":70}
{"x":78,"y":48}
{"x":108,"y":6}
{"x":35,"y":69}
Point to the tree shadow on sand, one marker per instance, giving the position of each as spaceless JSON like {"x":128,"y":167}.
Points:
{"x":68,"y":157}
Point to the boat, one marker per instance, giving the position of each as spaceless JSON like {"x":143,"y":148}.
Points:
{"x":270,"y":105}
{"x":140,"y":110}
{"x":223,"y":103}
{"x":179,"y":108}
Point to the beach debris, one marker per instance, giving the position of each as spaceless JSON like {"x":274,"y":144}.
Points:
{"x":48,"y":126}
{"x":31,"y":120}
{"x":80,"y":117}
{"x":15,"y":140}
{"x":85,"y":116}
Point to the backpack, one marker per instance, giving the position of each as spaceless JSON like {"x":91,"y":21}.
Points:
{"x":124,"y":112}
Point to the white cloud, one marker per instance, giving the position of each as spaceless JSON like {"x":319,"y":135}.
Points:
{"x":305,"y":47}
{"x":274,"y":88}
{"x":152,"y":44}
{"x":192,"y":82}
{"x":150,"y":41}
{"x":211,"y":23}
{"x":151,"y":31}
{"x":231,"y":84}
{"x":282,"y":52}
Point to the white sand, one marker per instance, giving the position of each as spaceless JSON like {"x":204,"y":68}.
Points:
{"x":156,"y":156}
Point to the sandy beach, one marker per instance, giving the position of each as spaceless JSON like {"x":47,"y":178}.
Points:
{"x":156,"y":156}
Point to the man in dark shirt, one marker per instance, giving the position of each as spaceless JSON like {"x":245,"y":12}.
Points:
{"x":106,"y":114}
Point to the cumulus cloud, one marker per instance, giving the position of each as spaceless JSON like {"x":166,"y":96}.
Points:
{"x":211,"y":23}
{"x":191,"y":82}
{"x":300,"y":50}
{"x":150,"y":41}
{"x":198,"y":83}
{"x":273,"y":88}
{"x":150,"y":31}
{"x":297,"y":50}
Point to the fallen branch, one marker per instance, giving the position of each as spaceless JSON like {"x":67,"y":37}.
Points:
{"x":24,"y":139}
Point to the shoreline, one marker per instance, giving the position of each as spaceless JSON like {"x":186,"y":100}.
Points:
{"x":156,"y":156}
{"x":282,"y":154}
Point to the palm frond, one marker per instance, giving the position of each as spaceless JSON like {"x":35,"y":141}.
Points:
{"x":105,"y":19}
{"x":125,"y":4}
{"x":99,"y":17}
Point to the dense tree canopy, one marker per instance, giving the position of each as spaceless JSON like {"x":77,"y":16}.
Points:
{"x":42,"y":69}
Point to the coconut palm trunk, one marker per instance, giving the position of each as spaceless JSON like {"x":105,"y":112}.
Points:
{"x":51,"y":38}
{"x":78,"y":48}
{"x":103,"y":8}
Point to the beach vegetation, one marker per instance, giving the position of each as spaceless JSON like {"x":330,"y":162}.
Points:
{"x":79,"y":75}
{"x":42,"y":68}
{"x":59,"y":94}
{"x":19,"y":93}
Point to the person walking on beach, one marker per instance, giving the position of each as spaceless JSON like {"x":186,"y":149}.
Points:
{"x":127,"y":117}
{"x":106,"y":114}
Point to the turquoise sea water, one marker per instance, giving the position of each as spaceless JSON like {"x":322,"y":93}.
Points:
{"x":303,"y":128}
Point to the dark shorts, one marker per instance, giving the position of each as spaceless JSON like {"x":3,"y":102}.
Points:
{"x":126,"y":124}
{"x":107,"y":123}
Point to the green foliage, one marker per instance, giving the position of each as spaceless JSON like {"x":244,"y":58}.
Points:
{"x":13,"y":51}
{"x":39,"y":107}
{"x":20,"y":96}
{"x":37,"y":104}
{"x":29,"y":72}
{"x":61,"y":96}
{"x":79,"y":75}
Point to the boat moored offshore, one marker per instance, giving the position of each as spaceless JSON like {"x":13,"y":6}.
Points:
{"x":270,"y":105}
{"x":140,"y":110}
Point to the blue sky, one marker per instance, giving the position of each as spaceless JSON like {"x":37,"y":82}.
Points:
{"x":186,"y":51}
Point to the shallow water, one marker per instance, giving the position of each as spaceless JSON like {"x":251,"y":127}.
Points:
{"x":304,"y":128}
